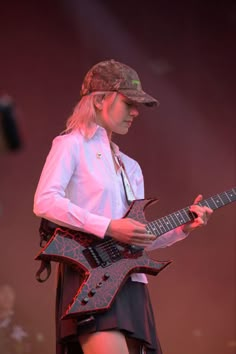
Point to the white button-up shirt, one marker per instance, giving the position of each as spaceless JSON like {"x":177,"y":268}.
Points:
{"x":80,"y":188}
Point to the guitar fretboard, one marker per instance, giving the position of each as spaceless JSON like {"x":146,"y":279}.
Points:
{"x":160,"y":226}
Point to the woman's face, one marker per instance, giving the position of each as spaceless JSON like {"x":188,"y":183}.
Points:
{"x":116,"y":113}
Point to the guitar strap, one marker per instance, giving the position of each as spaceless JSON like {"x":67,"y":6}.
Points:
{"x":46,"y":230}
{"x":127,"y":186}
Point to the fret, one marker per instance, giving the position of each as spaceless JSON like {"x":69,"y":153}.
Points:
{"x":180,"y":218}
{"x":169,"y":222}
{"x":217,"y":201}
{"x":173,"y":220}
{"x":166,"y":223}
{"x":209,"y":203}
{"x":220,"y":200}
{"x":149,"y":230}
{"x":161,"y":226}
{"x":188,"y":214}
{"x":214,"y":200}
{"x":205,"y":202}
{"x":191,"y":215}
{"x":231,"y":195}
{"x":153,"y":229}
{"x":214,"y":204}
{"x":227,"y":198}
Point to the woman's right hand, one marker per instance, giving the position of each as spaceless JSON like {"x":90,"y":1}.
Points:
{"x":130,"y":231}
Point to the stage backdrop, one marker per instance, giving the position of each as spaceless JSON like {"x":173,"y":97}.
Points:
{"x":185,"y":55}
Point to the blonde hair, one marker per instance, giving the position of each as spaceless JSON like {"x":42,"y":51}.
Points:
{"x":84,"y":114}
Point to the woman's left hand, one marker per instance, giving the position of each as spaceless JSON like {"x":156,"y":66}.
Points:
{"x":203,"y":214}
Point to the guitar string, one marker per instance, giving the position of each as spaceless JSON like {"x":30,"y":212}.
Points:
{"x":108,"y":245}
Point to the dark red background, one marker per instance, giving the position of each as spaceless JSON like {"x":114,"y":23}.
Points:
{"x":185,"y":55}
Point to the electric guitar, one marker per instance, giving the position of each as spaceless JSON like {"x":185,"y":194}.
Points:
{"x":106,"y":264}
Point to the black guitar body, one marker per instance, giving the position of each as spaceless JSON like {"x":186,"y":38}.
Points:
{"x":106,"y":263}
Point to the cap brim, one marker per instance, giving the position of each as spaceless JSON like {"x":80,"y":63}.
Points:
{"x":140,"y":97}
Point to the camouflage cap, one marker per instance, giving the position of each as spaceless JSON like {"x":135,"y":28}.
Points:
{"x":111,"y":75}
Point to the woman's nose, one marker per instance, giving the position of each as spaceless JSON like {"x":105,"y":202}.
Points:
{"x":134,"y":112}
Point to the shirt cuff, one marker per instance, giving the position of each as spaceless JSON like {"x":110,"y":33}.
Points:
{"x":96,"y":225}
{"x":168,"y":239}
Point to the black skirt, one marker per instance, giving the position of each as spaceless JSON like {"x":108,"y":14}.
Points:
{"x":131,"y":313}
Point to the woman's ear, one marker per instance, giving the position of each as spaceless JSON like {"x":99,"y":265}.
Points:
{"x":98,"y":101}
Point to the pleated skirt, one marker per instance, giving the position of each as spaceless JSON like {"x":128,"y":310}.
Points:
{"x":131,"y":313}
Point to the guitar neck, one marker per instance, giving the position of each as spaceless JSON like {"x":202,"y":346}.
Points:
{"x":160,"y":226}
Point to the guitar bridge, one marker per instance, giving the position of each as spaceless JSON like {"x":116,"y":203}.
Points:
{"x":102,"y":255}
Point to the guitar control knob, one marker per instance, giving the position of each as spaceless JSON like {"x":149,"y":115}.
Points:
{"x":106,"y":276}
{"x":92,"y":292}
{"x":85,"y":300}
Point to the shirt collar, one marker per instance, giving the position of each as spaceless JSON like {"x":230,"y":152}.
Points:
{"x":96,"y":129}
{"x":92,"y":131}
{"x":115,"y":148}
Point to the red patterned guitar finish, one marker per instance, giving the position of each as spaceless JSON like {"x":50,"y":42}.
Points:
{"x":106,"y":264}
